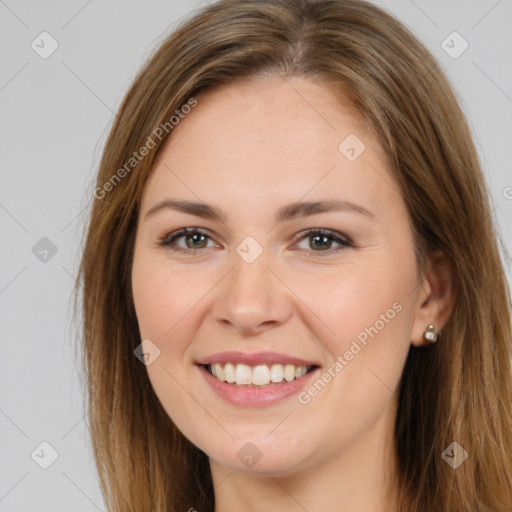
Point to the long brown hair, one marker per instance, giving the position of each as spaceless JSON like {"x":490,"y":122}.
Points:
{"x":460,"y":390}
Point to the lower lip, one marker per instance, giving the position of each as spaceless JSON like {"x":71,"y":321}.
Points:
{"x":256,"y":396}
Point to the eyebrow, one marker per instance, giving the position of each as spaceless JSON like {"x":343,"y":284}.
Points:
{"x":286,"y":213}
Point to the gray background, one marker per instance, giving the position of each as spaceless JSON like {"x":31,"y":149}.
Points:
{"x":55,"y":115}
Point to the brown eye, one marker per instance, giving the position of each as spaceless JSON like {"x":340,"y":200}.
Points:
{"x":321,"y":240}
{"x":194,"y":238}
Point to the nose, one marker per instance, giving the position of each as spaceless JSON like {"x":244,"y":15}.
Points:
{"x":252,"y":297}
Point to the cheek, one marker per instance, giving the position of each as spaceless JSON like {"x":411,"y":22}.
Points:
{"x":358,"y":297}
{"x":164,"y":299}
{"x":163,"y":296}
{"x":366,"y":311}
{"x":155,"y":303}
{"x":370,"y":313}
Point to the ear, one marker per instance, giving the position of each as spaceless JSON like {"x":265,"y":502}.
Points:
{"x":435,"y":298}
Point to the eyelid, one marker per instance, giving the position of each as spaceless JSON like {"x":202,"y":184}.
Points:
{"x":170,"y":238}
{"x":338,"y":237}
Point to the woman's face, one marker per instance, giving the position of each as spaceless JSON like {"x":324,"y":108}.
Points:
{"x":262,"y":294}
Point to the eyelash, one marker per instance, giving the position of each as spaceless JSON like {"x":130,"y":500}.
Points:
{"x":171,"y":238}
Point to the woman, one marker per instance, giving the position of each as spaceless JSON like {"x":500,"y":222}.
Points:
{"x":230,"y":365}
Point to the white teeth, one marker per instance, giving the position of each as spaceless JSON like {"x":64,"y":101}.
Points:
{"x":276,"y":373}
{"x":300,"y":371}
{"x":218,"y":371}
{"x":289,"y":372}
{"x":243,"y":374}
{"x":229,"y":373}
{"x":260,"y":375}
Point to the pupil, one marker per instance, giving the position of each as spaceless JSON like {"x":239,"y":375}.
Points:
{"x":195,"y":238}
{"x":320,"y":237}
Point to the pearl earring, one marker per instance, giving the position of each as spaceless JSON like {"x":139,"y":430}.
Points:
{"x":430,"y":334}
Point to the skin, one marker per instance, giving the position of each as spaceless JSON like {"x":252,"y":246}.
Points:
{"x":250,"y":148}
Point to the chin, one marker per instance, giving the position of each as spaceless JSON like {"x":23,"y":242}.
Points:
{"x":259,"y":457}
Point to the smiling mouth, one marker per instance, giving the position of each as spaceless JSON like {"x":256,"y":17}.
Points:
{"x":258,"y":375}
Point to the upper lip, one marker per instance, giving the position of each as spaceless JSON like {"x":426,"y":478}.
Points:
{"x":254,"y":359}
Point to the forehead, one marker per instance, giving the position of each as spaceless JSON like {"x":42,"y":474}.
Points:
{"x":269,"y":141}
{"x":280,"y":115}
